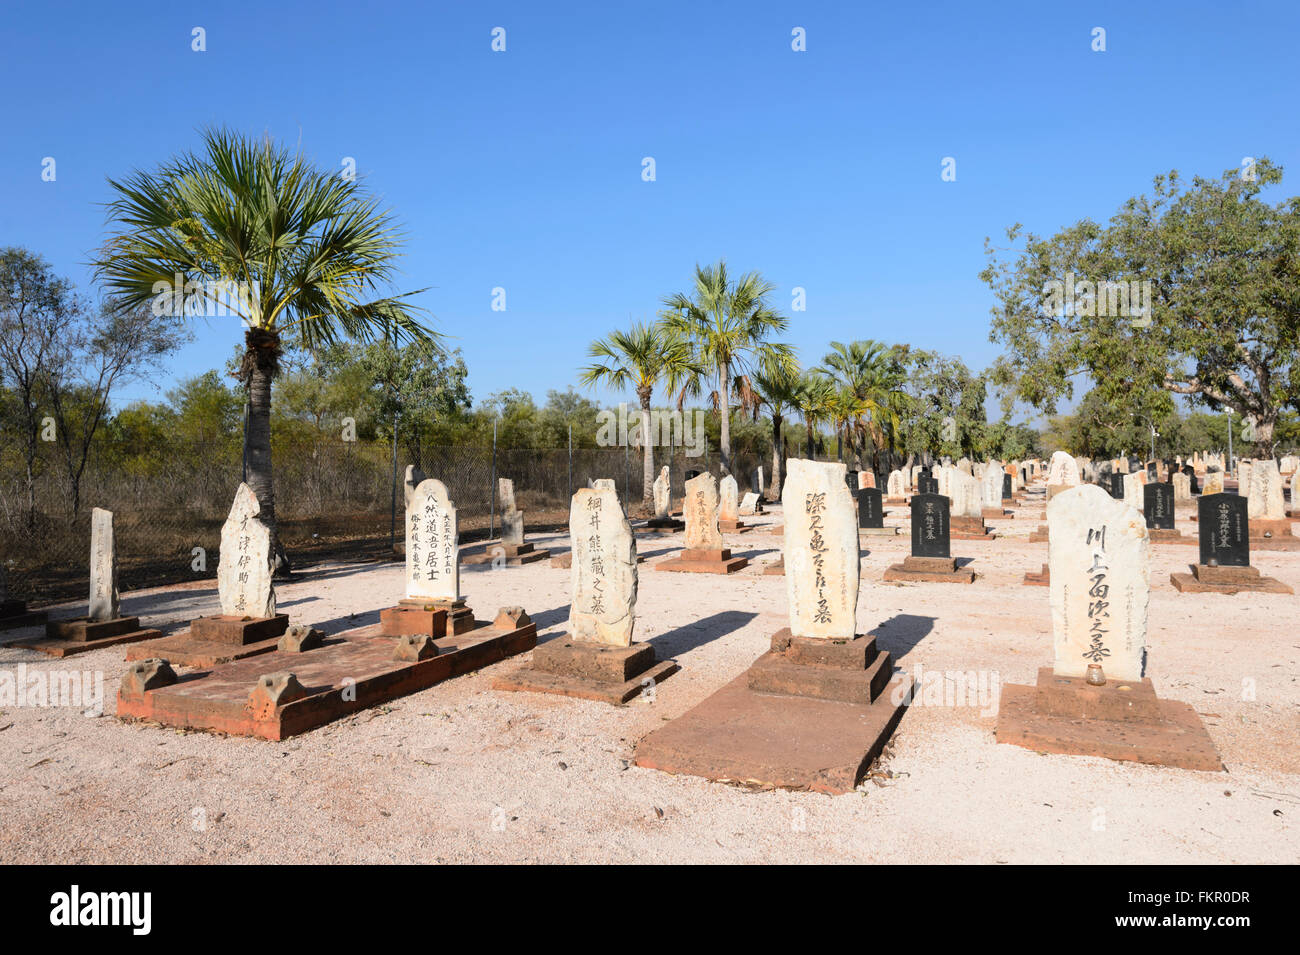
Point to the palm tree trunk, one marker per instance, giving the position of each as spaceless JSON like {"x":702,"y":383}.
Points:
{"x":774,"y":489}
{"x":261,"y":362}
{"x":648,"y":452}
{"x":724,"y":404}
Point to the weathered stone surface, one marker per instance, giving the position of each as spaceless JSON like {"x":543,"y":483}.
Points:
{"x":1133,"y":491}
{"x":414,"y":647}
{"x":603,"y":575}
{"x":604,"y":484}
{"x":300,"y":638}
{"x":432,"y":542}
{"x":1264,"y":496}
{"x":275,"y":689}
{"x":896,"y":486}
{"x":1244,"y":468}
{"x":662,"y":489}
{"x":992,"y":484}
{"x":146,"y":675}
{"x":866,"y":479}
{"x":700,"y":509}
{"x":1063,"y":469}
{"x":244,"y":572}
{"x":821,"y":550}
{"x":967,"y":499}
{"x":104,"y":603}
{"x":414,"y":477}
{"x":1213,"y":483}
{"x":1182,"y":488}
{"x":512,"y":519}
{"x":728,"y":499}
{"x":749,"y":504}
{"x":1099,"y":565}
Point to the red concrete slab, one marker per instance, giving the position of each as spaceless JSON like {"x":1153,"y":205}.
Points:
{"x":1177,"y":738}
{"x":1042,"y":578}
{"x":25,"y":618}
{"x":772,"y":741}
{"x":585,"y":688}
{"x":351,"y":671}
{"x":56,"y":647}
{"x":182,"y":649}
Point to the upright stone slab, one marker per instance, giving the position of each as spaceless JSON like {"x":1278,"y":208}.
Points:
{"x":992,"y":485}
{"x":1099,"y":561}
{"x":728,"y":500}
{"x":701,"y":513}
{"x":1133,"y":491}
{"x":1264,"y":498}
{"x":896,"y":485}
{"x":822,"y":556}
{"x":871,"y":511}
{"x":966,"y":496}
{"x":432,"y":545}
{"x":749,"y":504}
{"x":104,"y":604}
{"x":866,"y":478}
{"x":244,"y":573}
{"x":931,"y":529}
{"x":1063,"y":470}
{"x":1224,"y":530}
{"x":1213,"y":483}
{"x":512,"y":519}
{"x":1182,"y":487}
{"x":1096,"y":699}
{"x":603,"y":574}
{"x":1158,"y":506}
{"x":661,"y":494}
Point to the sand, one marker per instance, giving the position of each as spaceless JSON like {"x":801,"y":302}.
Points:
{"x":463,"y":773}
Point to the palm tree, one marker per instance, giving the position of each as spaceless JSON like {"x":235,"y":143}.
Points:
{"x":641,"y":358}
{"x":308,"y":253}
{"x":869,"y":379}
{"x":816,"y":401}
{"x":729,"y":324}
{"x":780,"y":393}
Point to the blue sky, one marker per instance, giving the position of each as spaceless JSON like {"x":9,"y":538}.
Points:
{"x":522,"y":169}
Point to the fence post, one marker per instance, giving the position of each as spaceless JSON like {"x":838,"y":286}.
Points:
{"x":570,"y":497}
{"x":492,"y":507}
{"x":627,"y":475}
{"x":392,"y":523}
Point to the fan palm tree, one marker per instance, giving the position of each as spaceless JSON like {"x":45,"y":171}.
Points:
{"x":870,"y":379}
{"x":309,"y":253}
{"x":816,"y":402}
{"x":779,"y":392}
{"x":730,"y":325}
{"x":640,"y":358}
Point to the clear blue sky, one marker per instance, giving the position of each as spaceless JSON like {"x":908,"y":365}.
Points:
{"x":522,"y":169}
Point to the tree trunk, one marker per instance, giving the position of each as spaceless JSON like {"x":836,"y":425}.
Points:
{"x":724,"y":405}
{"x":261,"y":363}
{"x":774,"y":488}
{"x":647,"y":451}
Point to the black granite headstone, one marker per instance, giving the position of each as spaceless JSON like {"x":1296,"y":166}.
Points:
{"x":931,"y":533}
{"x":1117,"y":486}
{"x":925,"y":484}
{"x":1158,"y":505}
{"x":1224,"y":530}
{"x":1006,"y":487}
{"x":871,"y":511}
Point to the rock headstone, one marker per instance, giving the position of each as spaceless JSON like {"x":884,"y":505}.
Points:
{"x":662,"y":489}
{"x":896,"y":485}
{"x":992,"y":485}
{"x":700,"y":510}
{"x":728,"y":499}
{"x":866,"y":479}
{"x":432,"y":544}
{"x":1063,"y":470}
{"x":1224,"y":530}
{"x":512,"y":519}
{"x":1099,"y":562}
{"x":603,"y":571}
{"x":967,"y":495}
{"x":1182,"y":485}
{"x":1213,"y":483}
{"x":821,"y":553}
{"x":244,"y":573}
{"x":931,"y":527}
{"x":749,"y":503}
{"x":104,"y":603}
{"x":1264,"y":498}
{"x":1132,"y":491}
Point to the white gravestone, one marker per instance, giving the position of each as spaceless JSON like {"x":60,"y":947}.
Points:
{"x":661,"y":492}
{"x":432,"y":544}
{"x":700,"y":511}
{"x":603,"y":574}
{"x":1264,"y":499}
{"x":512,"y":519}
{"x":821,"y":550}
{"x":728,"y":499}
{"x":244,"y":572}
{"x":103,"y":567}
{"x":1098,"y":554}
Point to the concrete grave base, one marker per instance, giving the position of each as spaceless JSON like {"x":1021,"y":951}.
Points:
{"x":1039,"y":536}
{"x":734,"y":527}
{"x":213,"y":640}
{"x":775,"y":568}
{"x":1166,"y":535}
{"x":879,"y":531}
{"x":997,"y":514}
{"x":590,"y":671}
{"x":928,"y":570}
{"x":1042,"y":578}
{"x":432,"y":617}
{"x":1226,"y":580}
{"x":1120,"y":720}
{"x":63,"y":638}
{"x":809,"y":714}
{"x":284,"y":693}
{"x":513,"y":555}
{"x":704,"y":562}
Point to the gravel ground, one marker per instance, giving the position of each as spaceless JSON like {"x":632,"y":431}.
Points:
{"x":462,"y":773}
